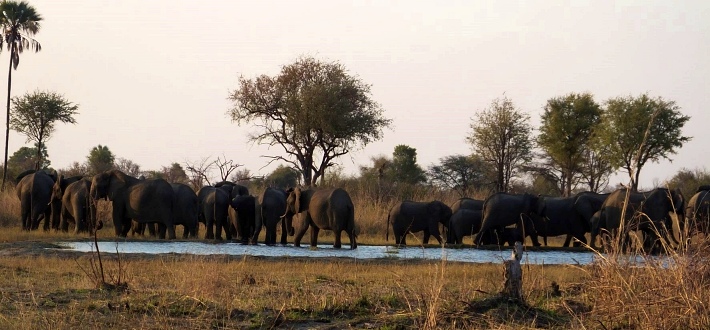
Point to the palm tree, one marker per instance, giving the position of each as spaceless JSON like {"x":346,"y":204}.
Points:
{"x":19,"y":22}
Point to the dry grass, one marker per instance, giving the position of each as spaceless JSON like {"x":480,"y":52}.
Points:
{"x":227,"y":293}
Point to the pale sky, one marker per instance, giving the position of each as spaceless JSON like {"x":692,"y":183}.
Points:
{"x":152,"y":77}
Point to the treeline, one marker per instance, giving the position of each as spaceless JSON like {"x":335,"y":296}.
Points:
{"x":317,"y":112}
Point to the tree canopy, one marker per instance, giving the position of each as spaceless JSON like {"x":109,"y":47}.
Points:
{"x":315,"y":110}
{"x":404,"y":167}
{"x":642,"y":129}
{"x":100,"y":159}
{"x":501,"y":136}
{"x":567,"y":126}
{"x":461,"y":173}
{"x":34,"y":115}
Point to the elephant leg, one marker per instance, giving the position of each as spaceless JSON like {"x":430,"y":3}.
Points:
{"x":283,"y":232}
{"x":162,"y":228}
{"x":300,"y":233}
{"x":118,"y":221}
{"x":425,"y":239}
{"x":209,"y":227}
{"x":567,"y":240}
{"x":337,"y":243}
{"x":314,"y":236}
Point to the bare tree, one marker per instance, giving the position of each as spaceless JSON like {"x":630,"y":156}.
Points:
{"x":225,"y":167}
{"x":199,"y":172}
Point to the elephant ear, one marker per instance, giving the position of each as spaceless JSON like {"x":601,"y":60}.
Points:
{"x":57,"y":189}
{"x":433,"y":208}
{"x":115,"y":183}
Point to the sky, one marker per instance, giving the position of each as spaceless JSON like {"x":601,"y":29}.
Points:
{"x":152,"y":78}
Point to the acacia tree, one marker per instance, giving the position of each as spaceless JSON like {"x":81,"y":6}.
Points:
{"x":641,"y":129}
{"x":501,"y":136}
{"x":19,"y":22}
{"x":461,"y":173}
{"x":316,"y":111}
{"x":568,"y":123}
{"x":34,"y":115}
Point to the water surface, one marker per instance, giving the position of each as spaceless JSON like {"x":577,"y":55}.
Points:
{"x":362,"y":252}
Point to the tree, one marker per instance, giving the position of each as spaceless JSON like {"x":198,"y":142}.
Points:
{"x":19,"y":22}
{"x":641,"y":129}
{"x":34,"y":115}
{"x":501,"y":136}
{"x":175,"y":174}
{"x":461,"y":173}
{"x":199,"y":172}
{"x":128,"y":166}
{"x":100,"y":159}
{"x":314,"y":110}
{"x":26,"y":158}
{"x":282,"y":177}
{"x":568,"y":123}
{"x":404,"y":167}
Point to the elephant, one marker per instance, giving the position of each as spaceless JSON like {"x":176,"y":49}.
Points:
{"x":463,"y":203}
{"x":245,"y":208}
{"x":144,"y":201}
{"x":569,"y":216}
{"x":185,"y":209}
{"x":697,"y":213}
{"x":330,"y":209}
{"x":59,"y":189}
{"x":503,"y":209}
{"x":233,"y":190}
{"x":213,"y":205}
{"x":464,"y":222}
{"x":409,"y":216}
{"x":648,"y":212}
{"x":467,"y":203}
{"x":272,"y":204}
{"x":34,"y":189}
{"x":77,"y":207}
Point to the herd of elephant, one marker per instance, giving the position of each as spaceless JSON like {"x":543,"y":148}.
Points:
{"x":506,"y":218}
{"x":502,"y":218}
{"x":159,"y":206}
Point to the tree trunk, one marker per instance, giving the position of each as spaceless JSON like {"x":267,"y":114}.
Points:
{"x":7,"y":120}
{"x":513,"y":288}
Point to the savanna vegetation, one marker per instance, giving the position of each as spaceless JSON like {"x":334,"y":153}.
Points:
{"x":316,"y":112}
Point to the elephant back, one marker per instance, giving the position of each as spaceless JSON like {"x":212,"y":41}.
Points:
{"x":467,"y":203}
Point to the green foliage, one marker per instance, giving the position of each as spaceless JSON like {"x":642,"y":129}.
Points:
{"x":689,"y":180}
{"x":25,"y":158}
{"x":501,"y":136}
{"x":175,"y":174}
{"x":100,"y":159}
{"x":568,"y":124}
{"x":34,"y":115}
{"x":641,"y":129}
{"x":404,"y":167}
{"x":315,"y":110}
{"x":282,"y":177}
{"x":463,"y":174}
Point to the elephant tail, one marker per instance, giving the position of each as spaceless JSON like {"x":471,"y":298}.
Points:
{"x":387,"y":235}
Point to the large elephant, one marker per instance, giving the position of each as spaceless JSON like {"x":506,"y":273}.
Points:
{"x":464,"y":222}
{"x":244,"y":207}
{"x":185,"y":209}
{"x":648,"y":212}
{"x":463,"y":203}
{"x":213,"y":205}
{"x":233,"y":190}
{"x":272,"y":205}
{"x":330,"y":209}
{"x":697,"y":213}
{"x":78,"y":208}
{"x":569,"y":216}
{"x":34,"y":189}
{"x":144,"y":201}
{"x":503,"y":209}
{"x":412,"y":217}
{"x":61,"y":184}
{"x":467,"y":203}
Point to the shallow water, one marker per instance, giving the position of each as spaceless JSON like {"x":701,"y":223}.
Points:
{"x":362,"y":252}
